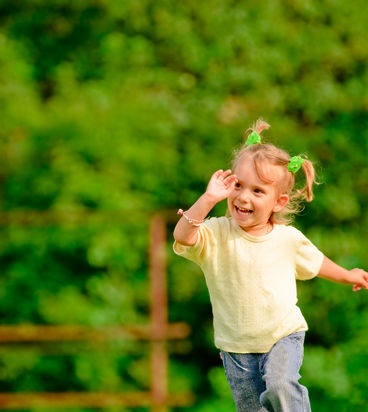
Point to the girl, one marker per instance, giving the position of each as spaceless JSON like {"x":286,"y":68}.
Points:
{"x":251,"y":261}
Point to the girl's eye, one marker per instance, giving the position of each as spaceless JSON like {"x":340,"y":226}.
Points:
{"x":237,"y":185}
{"x":257,"y":190}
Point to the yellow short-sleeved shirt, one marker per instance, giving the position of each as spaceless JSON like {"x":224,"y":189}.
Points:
{"x":252,"y":282}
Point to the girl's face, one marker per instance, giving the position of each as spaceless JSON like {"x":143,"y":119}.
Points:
{"x":253,"y":201}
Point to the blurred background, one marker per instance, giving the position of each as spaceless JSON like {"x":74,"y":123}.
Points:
{"x":114,"y":110}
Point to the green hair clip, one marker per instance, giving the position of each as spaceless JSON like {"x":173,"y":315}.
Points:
{"x":253,"y":138}
{"x":295,"y":163}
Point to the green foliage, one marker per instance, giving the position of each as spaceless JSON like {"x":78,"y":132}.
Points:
{"x":337,"y":376}
{"x":113,"y":110}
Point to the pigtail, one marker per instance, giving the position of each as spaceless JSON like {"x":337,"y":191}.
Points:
{"x":258,"y":127}
{"x":297,"y":196}
{"x":310,"y":180}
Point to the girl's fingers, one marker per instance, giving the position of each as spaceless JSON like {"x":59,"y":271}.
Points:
{"x":222,"y":173}
{"x":218,"y":173}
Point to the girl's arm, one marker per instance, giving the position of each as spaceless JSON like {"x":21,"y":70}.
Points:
{"x":332,"y":271}
{"x":219,"y":187}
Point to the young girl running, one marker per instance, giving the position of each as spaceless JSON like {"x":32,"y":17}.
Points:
{"x":251,"y":261}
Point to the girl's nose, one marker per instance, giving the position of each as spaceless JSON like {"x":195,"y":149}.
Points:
{"x":244,"y":195}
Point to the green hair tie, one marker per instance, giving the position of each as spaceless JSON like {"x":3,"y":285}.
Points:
{"x":295,"y":163}
{"x":253,"y":138}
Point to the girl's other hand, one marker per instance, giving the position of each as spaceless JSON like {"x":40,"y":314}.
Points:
{"x":360,"y":279}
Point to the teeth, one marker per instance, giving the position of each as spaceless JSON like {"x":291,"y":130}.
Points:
{"x":242,"y":210}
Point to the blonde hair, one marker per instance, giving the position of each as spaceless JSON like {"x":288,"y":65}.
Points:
{"x":267,"y":154}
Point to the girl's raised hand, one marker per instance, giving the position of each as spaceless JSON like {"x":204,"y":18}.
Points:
{"x":221,"y":184}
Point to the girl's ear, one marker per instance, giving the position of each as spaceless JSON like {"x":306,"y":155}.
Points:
{"x":281,"y":202}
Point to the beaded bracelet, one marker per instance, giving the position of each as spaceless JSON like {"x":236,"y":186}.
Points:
{"x":193,"y":222}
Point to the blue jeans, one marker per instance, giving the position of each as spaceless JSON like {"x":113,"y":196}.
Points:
{"x":269,"y":382}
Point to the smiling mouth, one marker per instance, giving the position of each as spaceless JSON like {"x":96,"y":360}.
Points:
{"x":243,"y":211}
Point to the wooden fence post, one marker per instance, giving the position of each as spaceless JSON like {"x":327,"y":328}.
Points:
{"x":158,"y":300}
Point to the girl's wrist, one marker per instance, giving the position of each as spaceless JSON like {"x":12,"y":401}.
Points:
{"x":210,"y":200}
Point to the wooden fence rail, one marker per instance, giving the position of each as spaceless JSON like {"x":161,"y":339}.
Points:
{"x":157,"y":333}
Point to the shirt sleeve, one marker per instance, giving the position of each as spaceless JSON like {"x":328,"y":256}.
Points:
{"x":188,"y":252}
{"x":308,"y":260}
{"x":204,"y":246}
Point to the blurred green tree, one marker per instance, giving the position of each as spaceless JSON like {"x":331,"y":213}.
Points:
{"x":114,"y":110}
